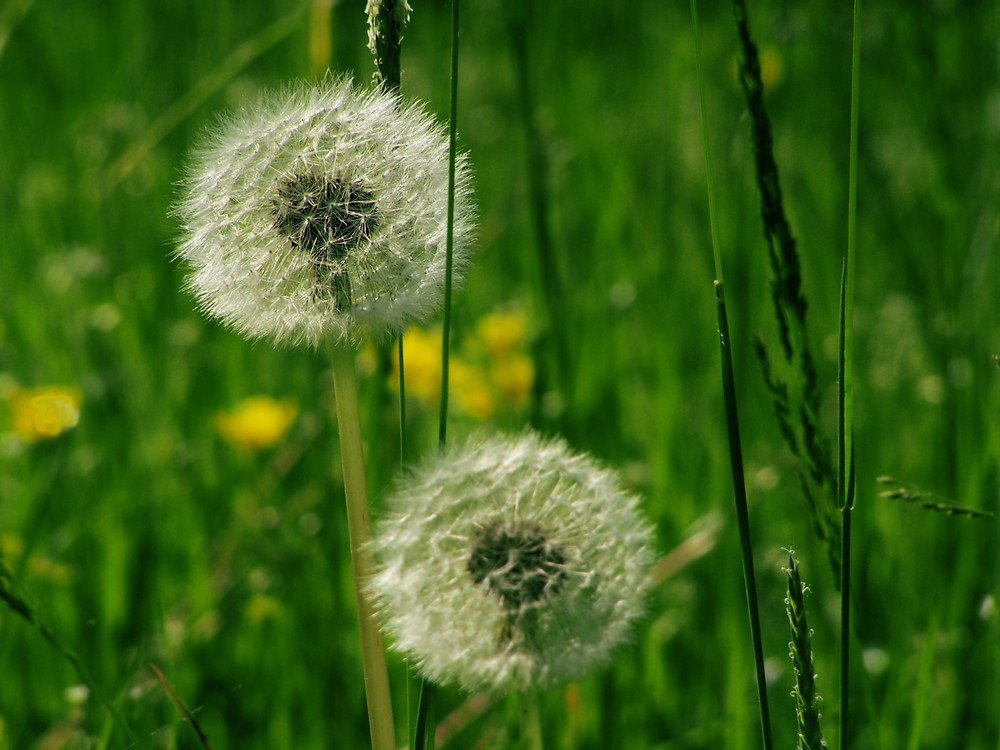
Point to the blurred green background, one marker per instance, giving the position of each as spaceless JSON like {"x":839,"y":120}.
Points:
{"x":145,"y":534}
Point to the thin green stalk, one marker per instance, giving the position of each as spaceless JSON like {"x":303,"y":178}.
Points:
{"x":742,"y":514}
{"x":712,"y":213}
{"x":845,"y":442}
{"x":425,"y":729}
{"x":732,"y":421}
{"x":402,"y":401}
{"x":363,"y":561}
{"x":450,"y":242}
{"x":424,"y":733}
{"x":845,"y":626}
{"x":387,"y":20}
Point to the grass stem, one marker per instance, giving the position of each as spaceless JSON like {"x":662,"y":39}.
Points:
{"x":732,"y":422}
{"x":845,"y":443}
{"x":742,"y":513}
{"x":425,"y":730}
{"x":363,"y":561}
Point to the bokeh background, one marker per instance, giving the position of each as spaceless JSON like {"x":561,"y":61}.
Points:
{"x":170,"y":493}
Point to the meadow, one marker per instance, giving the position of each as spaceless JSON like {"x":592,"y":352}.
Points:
{"x":182,"y":509}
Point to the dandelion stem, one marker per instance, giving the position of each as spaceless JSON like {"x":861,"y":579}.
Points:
{"x":531,"y":720}
{"x":362,"y":558}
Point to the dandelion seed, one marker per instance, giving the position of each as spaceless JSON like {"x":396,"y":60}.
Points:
{"x":319,"y":213}
{"x":511,"y":563}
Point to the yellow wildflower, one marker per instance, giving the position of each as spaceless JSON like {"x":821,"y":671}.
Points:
{"x":489,"y":372}
{"x":513,"y":375}
{"x":422,"y":356}
{"x":257,"y":422}
{"x":44,"y":412}
{"x":502,"y":332}
{"x":471,"y":390}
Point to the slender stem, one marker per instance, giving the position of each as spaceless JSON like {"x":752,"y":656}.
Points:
{"x":319,"y":37}
{"x":845,"y":444}
{"x":845,"y":625}
{"x":712,"y":214}
{"x":402,"y":402}
{"x":387,"y":20}
{"x":450,"y":244}
{"x":424,"y":734}
{"x":742,"y":514}
{"x":425,"y":729}
{"x":362,"y":559}
{"x":732,"y":421}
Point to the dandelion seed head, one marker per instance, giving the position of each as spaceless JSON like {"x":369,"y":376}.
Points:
{"x":510,"y":563}
{"x":319,"y":213}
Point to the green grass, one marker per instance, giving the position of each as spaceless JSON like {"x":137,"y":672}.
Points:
{"x":144,"y":537}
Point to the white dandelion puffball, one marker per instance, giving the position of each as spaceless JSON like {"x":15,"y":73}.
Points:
{"x":510,"y":563}
{"x":319,"y":213}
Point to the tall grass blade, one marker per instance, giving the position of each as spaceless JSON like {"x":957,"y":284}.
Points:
{"x":425,"y":724}
{"x":180,"y":706}
{"x":732,"y":422}
{"x":846,"y":483}
{"x":742,"y":513}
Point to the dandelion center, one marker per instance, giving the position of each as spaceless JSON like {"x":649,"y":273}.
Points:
{"x":520,"y":566}
{"x":325,"y":216}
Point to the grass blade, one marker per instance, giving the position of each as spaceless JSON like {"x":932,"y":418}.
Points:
{"x":742,"y":513}
{"x":845,"y":391}
{"x":732,"y":422}
{"x":180,"y":706}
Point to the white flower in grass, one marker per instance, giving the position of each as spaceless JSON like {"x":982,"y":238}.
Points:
{"x":510,"y":563}
{"x":319,"y":213}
